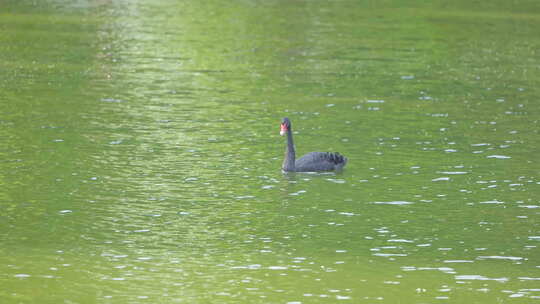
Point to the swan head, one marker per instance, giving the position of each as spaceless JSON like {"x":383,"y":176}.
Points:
{"x":285,"y":126}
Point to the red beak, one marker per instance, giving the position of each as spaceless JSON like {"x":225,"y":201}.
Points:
{"x":283,"y":129}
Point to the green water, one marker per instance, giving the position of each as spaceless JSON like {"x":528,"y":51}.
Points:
{"x":140,"y":152}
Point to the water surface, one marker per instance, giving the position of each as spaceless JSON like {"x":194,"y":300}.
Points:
{"x":140,"y":152}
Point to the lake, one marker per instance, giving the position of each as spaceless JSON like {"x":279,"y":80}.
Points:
{"x":140,"y":156}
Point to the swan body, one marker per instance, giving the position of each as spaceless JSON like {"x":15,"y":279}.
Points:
{"x":311,"y":162}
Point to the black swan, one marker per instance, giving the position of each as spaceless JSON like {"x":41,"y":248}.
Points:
{"x":311,"y":162}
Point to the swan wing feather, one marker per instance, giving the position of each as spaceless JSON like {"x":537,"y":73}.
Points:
{"x":320,"y":161}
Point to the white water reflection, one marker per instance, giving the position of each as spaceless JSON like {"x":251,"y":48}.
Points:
{"x":498,"y":156}
{"x":393,"y":203}
{"x":497,"y":257}
{"x":479,"y":278}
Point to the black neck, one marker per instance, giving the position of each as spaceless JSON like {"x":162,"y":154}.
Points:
{"x":290,"y":155}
